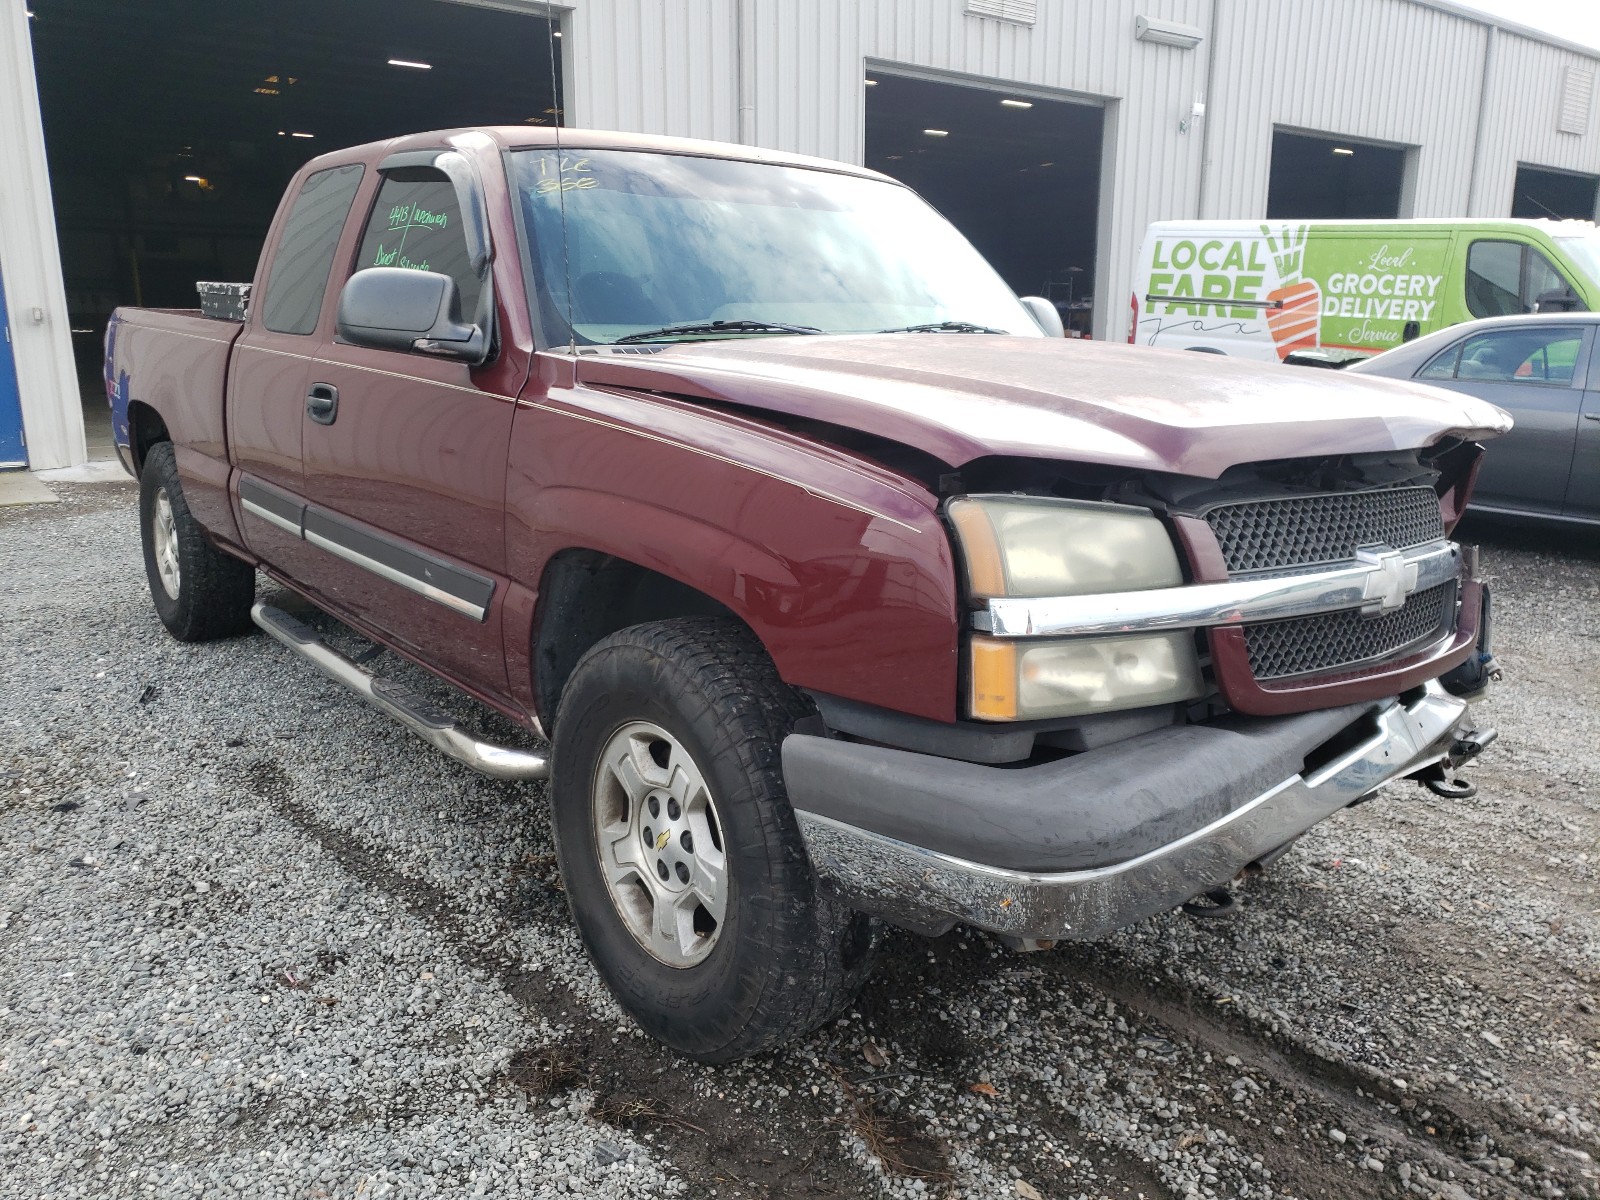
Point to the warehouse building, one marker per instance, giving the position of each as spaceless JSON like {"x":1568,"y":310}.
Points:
{"x":146,"y":144}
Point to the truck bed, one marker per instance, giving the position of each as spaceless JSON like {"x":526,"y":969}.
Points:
{"x":175,"y":362}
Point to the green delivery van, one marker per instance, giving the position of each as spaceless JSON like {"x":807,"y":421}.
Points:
{"x":1332,"y":290}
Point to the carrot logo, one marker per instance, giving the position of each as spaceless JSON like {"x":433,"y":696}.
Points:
{"x":1295,"y":319}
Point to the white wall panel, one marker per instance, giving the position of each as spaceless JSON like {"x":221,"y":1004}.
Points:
{"x":1379,"y":70}
{"x":653,"y":66}
{"x":52,"y":416}
{"x":1522,"y":116}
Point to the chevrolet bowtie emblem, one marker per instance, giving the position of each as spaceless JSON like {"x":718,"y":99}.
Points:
{"x":664,"y":837}
{"x":1390,"y":581}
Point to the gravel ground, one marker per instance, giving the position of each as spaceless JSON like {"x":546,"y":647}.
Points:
{"x":256,"y":941}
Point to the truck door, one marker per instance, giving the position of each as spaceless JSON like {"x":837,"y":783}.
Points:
{"x":1536,"y":373}
{"x":405,"y":457}
{"x":267,"y":373}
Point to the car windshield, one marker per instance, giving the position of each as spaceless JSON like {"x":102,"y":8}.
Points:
{"x":1585,"y":251}
{"x":656,"y":241}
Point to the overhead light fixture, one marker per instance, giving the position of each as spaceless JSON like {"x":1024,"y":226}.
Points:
{"x":303,"y":135}
{"x":414,"y":65}
{"x":896,"y":157}
{"x":872,"y":83}
{"x":1048,"y":164}
{"x":937,"y":132}
{"x":193,"y":179}
{"x":1167,"y":33}
{"x":1344,"y":150}
{"x":556,"y":33}
{"x":1016,"y":103}
{"x":266,"y":91}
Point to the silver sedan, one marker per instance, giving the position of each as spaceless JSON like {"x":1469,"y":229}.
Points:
{"x":1543,"y":371}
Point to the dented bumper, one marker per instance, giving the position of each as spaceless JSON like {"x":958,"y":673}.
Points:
{"x":1077,"y":848}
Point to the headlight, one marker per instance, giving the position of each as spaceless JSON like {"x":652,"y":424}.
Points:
{"x":1028,"y":680}
{"x":1026,"y":546}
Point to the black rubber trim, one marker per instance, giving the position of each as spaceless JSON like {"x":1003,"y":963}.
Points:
{"x":965,"y":740}
{"x":279,"y":503}
{"x":464,"y":585}
{"x":1092,"y":810}
{"x":985,"y":742}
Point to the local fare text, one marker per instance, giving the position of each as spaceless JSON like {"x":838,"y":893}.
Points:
{"x":1199,"y":278}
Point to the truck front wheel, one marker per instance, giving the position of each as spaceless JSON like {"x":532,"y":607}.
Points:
{"x":200,"y":593}
{"x":684,"y":868}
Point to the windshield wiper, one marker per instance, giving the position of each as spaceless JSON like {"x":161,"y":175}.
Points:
{"x":716,"y":327}
{"x":944,"y":327}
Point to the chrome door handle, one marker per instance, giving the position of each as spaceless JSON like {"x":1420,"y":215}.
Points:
{"x":1595,"y":416}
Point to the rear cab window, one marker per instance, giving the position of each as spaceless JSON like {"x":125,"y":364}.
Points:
{"x":303,"y":260}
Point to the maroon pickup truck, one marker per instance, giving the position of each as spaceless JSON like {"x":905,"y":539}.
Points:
{"x":843,"y":594}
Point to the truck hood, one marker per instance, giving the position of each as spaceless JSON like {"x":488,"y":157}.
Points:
{"x":960,"y":397}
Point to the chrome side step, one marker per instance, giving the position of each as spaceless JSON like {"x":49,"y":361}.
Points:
{"x":416,"y":712}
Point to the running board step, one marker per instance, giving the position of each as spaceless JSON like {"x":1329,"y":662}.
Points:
{"x":413,"y":710}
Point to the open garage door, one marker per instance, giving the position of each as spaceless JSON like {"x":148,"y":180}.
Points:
{"x":1018,"y":174}
{"x":1329,"y":178}
{"x":1559,"y":195}
{"x":172,"y":126}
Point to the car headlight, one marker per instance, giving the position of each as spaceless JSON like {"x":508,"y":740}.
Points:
{"x":1025,"y":546}
{"x":1028,"y":680}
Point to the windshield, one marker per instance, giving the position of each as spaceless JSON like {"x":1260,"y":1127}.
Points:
{"x":660,"y":240}
{"x":1585,"y":252}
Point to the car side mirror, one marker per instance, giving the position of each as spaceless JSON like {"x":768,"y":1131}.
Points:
{"x":393,"y":308}
{"x":1557,"y":300}
{"x":1044,"y":315}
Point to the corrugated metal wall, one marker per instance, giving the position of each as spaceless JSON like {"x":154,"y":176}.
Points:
{"x":653,"y":66}
{"x":1381,"y":70}
{"x":1521,"y":118}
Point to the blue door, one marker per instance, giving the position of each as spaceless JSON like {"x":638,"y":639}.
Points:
{"x":11,"y":452}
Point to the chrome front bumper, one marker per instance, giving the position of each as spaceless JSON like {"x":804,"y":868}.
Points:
{"x":931,"y":890}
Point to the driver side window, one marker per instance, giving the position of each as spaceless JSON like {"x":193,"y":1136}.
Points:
{"x":1507,"y":278}
{"x":416,"y":224}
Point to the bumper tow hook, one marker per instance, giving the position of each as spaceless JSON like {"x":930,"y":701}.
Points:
{"x":1218,"y":902}
{"x":1451,"y":786}
{"x":1441,"y":778}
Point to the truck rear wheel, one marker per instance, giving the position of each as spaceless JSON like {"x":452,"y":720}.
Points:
{"x":200,"y":593}
{"x":684,"y":868}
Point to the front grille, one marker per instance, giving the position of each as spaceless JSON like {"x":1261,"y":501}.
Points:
{"x":1334,"y":641}
{"x":1305,"y":531}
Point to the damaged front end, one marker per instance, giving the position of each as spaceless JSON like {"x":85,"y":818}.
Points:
{"x":1319,"y":635}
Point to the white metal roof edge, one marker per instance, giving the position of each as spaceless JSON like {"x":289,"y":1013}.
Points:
{"x":1480,"y":17}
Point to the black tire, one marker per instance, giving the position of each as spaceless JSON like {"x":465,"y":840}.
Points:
{"x":214,"y":590}
{"x":786,"y":957}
